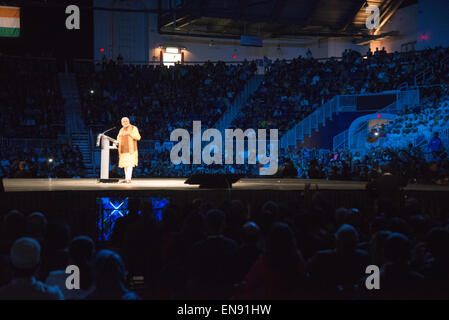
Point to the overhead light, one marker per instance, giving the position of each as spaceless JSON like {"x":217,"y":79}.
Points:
{"x":172,"y":50}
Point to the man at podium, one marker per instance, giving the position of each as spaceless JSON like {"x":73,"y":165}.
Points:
{"x":127,"y":149}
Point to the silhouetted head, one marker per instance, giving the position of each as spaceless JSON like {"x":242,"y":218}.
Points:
{"x":110,"y":273}
{"x":397,"y":248}
{"x":378,"y":224}
{"x":239,"y":210}
{"x":341,"y":215}
{"x":377,"y":247}
{"x":13,"y":225}
{"x":438,"y":243}
{"x":399,"y":225}
{"x":25,"y":257}
{"x":215,"y":222}
{"x":271,"y":206}
{"x":36,"y":225}
{"x":81,"y":249}
{"x":251,"y":232}
{"x":58,"y":236}
{"x":281,"y":242}
{"x":347,"y":238}
{"x":81,"y":253}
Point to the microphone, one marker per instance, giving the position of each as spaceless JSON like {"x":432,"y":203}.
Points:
{"x":101,"y":134}
{"x":108,"y":130}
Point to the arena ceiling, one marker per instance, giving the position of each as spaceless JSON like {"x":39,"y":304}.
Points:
{"x":274,"y":18}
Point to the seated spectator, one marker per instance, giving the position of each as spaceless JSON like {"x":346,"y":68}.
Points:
{"x":387,"y":190}
{"x":36,"y":226}
{"x":143,"y":232}
{"x":81,"y":253}
{"x":280,"y":272}
{"x":12,"y":229}
{"x":249,"y":250}
{"x":312,"y":235}
{"x":25,"y":258}
{"x":121,"y":224}
{"x":435,"y":270}
{"x":377,"y":247}
{"x":6,"y":270}
{"x":236,"y":216}
{"x":55,"y":254}
{"x":335,"y":273}
{"x":110,"y":276}
{"x":397,"y":279}
{"x":211,"y":265}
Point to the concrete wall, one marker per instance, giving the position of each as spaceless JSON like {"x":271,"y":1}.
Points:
{"x":124,"y":33}
{"x":433,"y":23}
{"x":425,"y":23}
{"x":404,"y":21}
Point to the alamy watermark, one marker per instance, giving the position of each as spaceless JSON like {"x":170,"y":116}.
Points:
{"x":73,"y":20}
{"x":73,"y":279}
{"x":372,"y":281}
{"x":212,"y":153}
{"x":373,"y":21}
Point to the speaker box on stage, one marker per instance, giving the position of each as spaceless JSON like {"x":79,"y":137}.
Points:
{"x":217,"y":181}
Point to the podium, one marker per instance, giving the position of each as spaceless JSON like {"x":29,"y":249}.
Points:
{"x":107,"y":143}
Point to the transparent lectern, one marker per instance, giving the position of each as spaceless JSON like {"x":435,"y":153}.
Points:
{"x":106,"y":143}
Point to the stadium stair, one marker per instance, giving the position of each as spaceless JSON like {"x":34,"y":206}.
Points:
{"x":250,"y":87}
{"x":75,"y":127}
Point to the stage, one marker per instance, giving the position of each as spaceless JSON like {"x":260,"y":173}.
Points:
{"x":77,"y":200}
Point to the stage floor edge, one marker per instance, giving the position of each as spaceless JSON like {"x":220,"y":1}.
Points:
{"x":141,"y":184}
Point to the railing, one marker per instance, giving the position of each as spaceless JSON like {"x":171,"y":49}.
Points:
{"x":319,"y":116}
{"x":340,"y":141}
{"x":347,"y":102}
{"x":407,"y":98}
{"x":344,"y":103}
{"x":423,"y":76}
{"x":419,"y":140}
{"x":355,"y":137}
{"x":403,"y":86}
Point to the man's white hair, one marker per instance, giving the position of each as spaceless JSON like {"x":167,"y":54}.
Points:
{"x":125,"y":118}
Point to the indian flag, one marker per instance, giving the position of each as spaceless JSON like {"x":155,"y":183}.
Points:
{"x":9,"y":21}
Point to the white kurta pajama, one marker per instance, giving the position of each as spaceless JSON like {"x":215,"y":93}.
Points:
{"x":127,"y":149}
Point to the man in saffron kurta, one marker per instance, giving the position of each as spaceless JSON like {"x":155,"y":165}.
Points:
{"x":127,"y":149}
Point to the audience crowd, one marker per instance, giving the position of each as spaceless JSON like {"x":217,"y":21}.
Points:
{"x":31,"y":104}
{"x":409,"y":163}
{"x":232,"y":250}
{"x":303,"y":248}
{"x":159,"y":99}
{"x":291,"y":90}
{"x":47,"y":161}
